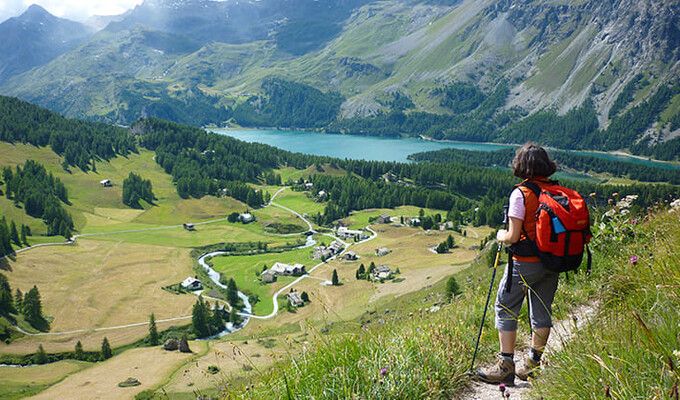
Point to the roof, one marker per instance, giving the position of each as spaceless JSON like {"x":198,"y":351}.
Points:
{"x":382,"y":268}
{"x":190,"y":281}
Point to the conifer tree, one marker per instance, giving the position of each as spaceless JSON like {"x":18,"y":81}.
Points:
{"x":106,"y":351}
{"x":40,"y":357}
{"x":232,"y":293}
{"x":23,"y":235}
{"x":18,"y":300}
{"x":6,"y":301}
{"x":78,"y":351}
{"x":216,"y":319}
{"x":234,"y":318}
{"x":305,"y":297}
{"x":449,"y":242}
{"x":153,"y":331}
{"x":14,"y":234}
{"x":199,"y":318}
{"x":334,"y":279}
{"x":32,"y":308}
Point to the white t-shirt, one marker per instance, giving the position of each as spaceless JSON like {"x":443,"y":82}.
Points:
{"x":516,"y":208}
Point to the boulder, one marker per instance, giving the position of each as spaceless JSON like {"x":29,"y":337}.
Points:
{"x":184,"y":346}
{"x":171,"y":345}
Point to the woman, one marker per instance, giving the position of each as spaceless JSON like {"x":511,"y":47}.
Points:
{"x":529,"y":276}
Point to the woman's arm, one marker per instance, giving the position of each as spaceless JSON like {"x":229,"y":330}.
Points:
{"x":511,"y":235}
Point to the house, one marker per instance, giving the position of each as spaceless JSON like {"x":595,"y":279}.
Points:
{"x":286,"y":269}
{"x":106,"y":183}
{"x":383,"y":251}
{"x":309,"y":185}
{"x":322,"y":193}
{"x":383,"y":219}
{"x":188,"y":226}
{"x":382,"y":272}
{"x":191,"y":284}
{"x":344,"y":232}
{"x":246,"y":218}
{"x":268,"y":276}
{"x":336,"y":247}
{"x":415,"y":222}
{"x":294,"y":299}
{"x":350,"y":256}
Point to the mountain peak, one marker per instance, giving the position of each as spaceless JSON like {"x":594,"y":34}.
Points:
{"x":35,"y":11}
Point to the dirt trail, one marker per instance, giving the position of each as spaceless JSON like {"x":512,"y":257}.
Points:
{"x":563,"y":331}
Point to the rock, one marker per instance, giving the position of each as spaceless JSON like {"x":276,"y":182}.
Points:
{"x":171,"y":345}
{"x":184,"y":346}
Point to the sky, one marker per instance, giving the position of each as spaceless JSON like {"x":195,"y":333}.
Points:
{"x":77,"y":10}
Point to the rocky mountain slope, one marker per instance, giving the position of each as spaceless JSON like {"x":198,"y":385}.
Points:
{"x":36,"y":38}
{"x":169,"y":54}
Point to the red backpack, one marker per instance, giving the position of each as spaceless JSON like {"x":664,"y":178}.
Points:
{"x":562,"y":229}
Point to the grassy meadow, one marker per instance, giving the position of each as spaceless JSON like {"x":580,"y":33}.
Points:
{"x":17,"y":383}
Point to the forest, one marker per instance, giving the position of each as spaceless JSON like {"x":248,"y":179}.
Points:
{"x":79,"y":142}
{"x":578,"y":162}
{"x":41,"y":195}
{"x":136,"y":188}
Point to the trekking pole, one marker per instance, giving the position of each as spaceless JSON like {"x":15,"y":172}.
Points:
{"x":488,"y":297}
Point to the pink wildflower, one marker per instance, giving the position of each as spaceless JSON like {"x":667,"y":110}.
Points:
{"x":633,"y":260}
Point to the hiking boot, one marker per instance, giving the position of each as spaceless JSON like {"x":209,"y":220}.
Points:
{"x":501,"y":372}
{"x":528,"y":369}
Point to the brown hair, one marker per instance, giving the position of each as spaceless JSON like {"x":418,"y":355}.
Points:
{"x":531,"y":160}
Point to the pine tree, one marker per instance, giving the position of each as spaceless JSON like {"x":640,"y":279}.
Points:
{"x":18,"y":300}
{"x":216,"y":319}
{"x":153,"y":331}
{"x":360,"y":272}
{"x":23,"y":235}
{"x":449,"y":242}
{"x":334,"y":279}
{"x":199,"y":318}
{"x":442,"y":248}
{"x":234,"y":318}
{"x":6,"y":301}
{"x":106,"y":351}
{"x":78,"y":351}
{"x":32,"y":307}
{"x":14,"y":234}
{"x":40,"y":357}
{"x":305,"y":297}
{"x":232,"y":293}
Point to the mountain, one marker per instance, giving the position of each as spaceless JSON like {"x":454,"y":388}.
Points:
{"x":34,"y":38}
{"x":482,"y":66}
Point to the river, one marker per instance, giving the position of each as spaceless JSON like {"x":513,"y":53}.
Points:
{"x":381,"y":148}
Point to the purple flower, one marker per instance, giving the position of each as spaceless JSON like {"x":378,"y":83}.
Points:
{"x":633,"y":260}
{"x":383,"y":371}
{"x":506,"y":393}
{"x":501,"y":387}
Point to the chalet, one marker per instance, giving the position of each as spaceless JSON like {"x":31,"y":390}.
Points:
{"x":188,"y":226}
{"x":268,"y":276}
{"x":344,"y":232}
{"x":382,"y":272}
{"x":321,"y":194}
{"x":309,"y":185}
{"x":191,"y":284}
{"x":106,"y":183}
{"x":351,"y":256}
{"x":286,"y":269}
{"x":383,"y":251}
{"x":336,"y":247}
{"x":383,"y":219}
{"x":294,"y":299}
{"x":246,"y":218}
{"x":415,"y":222}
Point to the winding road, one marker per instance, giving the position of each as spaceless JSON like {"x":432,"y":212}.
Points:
{"x":244,"y":314}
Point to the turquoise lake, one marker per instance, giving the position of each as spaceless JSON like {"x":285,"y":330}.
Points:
{"x":378,"y":148}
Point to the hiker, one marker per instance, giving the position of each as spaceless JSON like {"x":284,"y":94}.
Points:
{"x":528,"y":277}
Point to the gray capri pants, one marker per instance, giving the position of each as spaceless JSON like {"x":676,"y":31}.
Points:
{"x":542,"y":285}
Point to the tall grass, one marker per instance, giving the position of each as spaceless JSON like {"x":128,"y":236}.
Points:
{"x":632,"y":349}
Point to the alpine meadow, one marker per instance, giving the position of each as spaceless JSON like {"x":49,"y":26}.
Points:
{"x":147,"y":252}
